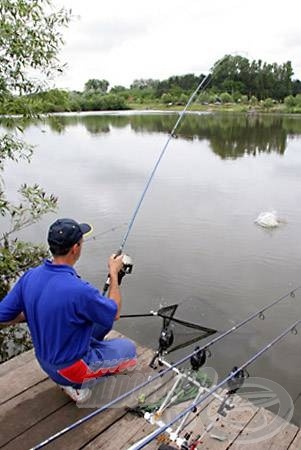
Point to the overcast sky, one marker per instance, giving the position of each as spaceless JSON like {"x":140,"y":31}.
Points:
{"x":124,"y":40}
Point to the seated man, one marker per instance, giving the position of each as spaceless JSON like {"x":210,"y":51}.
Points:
{"x":68,"y":317}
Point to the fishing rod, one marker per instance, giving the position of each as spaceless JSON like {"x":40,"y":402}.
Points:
{"x":128,"y":266}
{"x":192,"y":407}
{"x":160,"y":374}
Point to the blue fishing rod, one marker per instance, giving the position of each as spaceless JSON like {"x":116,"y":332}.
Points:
{"x":192,"y":407}
{"x":195,"y":353}
{"x":127,"y":262}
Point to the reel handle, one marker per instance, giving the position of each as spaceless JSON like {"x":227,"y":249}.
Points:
{"x":127,"y":268}
{"x":107,"y":283}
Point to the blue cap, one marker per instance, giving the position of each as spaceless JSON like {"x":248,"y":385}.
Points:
{"x":64,"y":233}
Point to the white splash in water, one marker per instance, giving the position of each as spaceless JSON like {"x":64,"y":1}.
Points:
{"x":268,"y":219}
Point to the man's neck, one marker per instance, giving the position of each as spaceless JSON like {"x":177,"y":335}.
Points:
{"x":64,"y":260}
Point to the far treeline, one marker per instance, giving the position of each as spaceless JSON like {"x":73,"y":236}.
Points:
{"x":234,"y":81}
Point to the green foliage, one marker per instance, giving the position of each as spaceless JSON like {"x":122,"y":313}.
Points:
{"x":96,"y":86}
{"x":226,"y":98}
{"x":35,"y":203}
{"x":117,"y":89}
{"x":233,"y":79}
{"x":182,"y":100}
{"x":14,"y":148}
{"x":17,"y":258}
{"x":98,"y":102}
{"x":30,"y":39}
{"x":298,"y":99}
{"x":19,"y":335}
{"x":166,"y":98}
{"x":293,"y":103}
{"x":143,"y":83}
{"x":290,"y":101}
{"x":255,"y":78}
{"x":244,"y":99}
{"x":253,"y":100}
{"x":268,"y":103}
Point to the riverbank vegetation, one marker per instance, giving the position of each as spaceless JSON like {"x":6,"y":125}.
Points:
{"x":30,"y":38}
{"x":235,"y":84}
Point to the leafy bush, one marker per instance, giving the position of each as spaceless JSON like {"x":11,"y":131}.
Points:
{"x":166,"y":98}
{"x":290,"y":101}
{"x":268,"y":103}
{"x":226,"y":97}
{"x":253,"y":100}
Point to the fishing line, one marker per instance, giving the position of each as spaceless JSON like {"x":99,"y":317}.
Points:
{"x":143,"y":442}
{"x":205,"y":81}
{"x":161,"y":374}
{"x":102,"y":233}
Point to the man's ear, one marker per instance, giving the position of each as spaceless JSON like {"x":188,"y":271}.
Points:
{"x":74,"y":248}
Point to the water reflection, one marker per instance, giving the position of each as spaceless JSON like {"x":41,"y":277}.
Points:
{"x":229,"y":135}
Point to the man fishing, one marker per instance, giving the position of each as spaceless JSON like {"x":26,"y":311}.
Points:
{"x":67,"y":317}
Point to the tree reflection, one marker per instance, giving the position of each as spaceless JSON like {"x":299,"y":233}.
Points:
{"x":229,"y":135}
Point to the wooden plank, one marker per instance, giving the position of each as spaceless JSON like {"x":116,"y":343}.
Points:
{"x":17,"y":361}
{"x":23,"y":372}
{"x":296,"y":443}
{"x":60,"y":419}
{"x":267,"y":431}
{"x":65,"y":416}
{"x":119,"y":436}
{"x":131,"y":429}
{"x":24,"y":411}
{"x":222,"y":431}
{"x":21,"y":379}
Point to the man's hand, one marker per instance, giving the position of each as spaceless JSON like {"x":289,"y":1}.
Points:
{"x":115,"y":265}
{"x":20,"y":318}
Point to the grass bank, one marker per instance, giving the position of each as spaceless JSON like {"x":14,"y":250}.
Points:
{"x":227,"y":107}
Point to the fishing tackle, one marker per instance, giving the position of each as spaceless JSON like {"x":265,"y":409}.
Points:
{"x":127,"y":267}
{"x":166,"y":339}
{"x":237,"y":380}
{"x":198,"y":359}
{"x":170,"y":367}
{"x":167,"y":426}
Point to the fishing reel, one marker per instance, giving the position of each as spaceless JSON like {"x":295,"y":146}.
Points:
{"x":165,"y":341}
{"x":198,"y":359}
{"x":237,"y":380}
{"x":127,"y":268}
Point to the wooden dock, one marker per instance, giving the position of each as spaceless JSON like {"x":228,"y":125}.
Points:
{"x":34,"y":408}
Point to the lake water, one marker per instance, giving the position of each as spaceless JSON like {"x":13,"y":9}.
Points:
{"x":194,"y":241}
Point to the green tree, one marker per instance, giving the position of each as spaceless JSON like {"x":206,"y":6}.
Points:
{"x":96,"y":86}
{"x":30,"y":38}
{"x":237,"y":74}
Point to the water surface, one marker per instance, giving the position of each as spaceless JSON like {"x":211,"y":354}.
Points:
{"x":194,"y":240}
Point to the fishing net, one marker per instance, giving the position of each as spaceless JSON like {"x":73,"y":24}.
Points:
{"x":167,"y":319}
